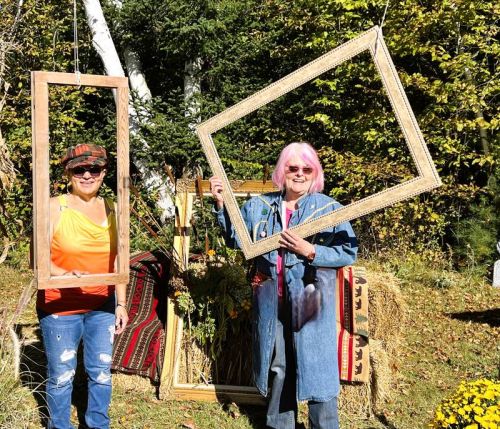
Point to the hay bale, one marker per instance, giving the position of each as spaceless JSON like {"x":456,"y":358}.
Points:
{"x":387,"y":310}
{"x":354,"y":400}
{"x":195,"y":366}
{"x":381,"y":376}
{"x":387,"y":313}
{"x":133,"y":383}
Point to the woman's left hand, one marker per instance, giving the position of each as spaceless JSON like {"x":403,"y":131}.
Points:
{"x":291,"y":241}
{"x":121,"y":319}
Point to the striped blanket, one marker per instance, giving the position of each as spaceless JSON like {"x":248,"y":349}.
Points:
{"x":139,"y":349}
{"x":352,"y":324}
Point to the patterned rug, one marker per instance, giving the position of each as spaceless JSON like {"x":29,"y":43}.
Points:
{"x":352,"y":324}
{"x":140,"y":348}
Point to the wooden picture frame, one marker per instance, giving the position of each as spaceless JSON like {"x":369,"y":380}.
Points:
{"x":427,"y":179}
{"x":40,"y":81}
{"x":186,"y":192}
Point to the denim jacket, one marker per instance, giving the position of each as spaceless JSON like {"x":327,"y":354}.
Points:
{"x":310,"y":291}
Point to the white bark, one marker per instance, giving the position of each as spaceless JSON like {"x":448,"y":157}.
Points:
{"x":101,"y":38}
{"x":192,"y":87}
{"x":136,"y":77}
{"x":103,"y":44}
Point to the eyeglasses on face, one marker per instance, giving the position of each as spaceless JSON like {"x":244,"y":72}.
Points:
{"x":94,"y":171}
{"x":295,"y":169}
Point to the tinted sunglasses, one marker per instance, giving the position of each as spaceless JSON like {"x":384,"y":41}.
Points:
{"x":295,"y":169}
{"x":94,"y":171}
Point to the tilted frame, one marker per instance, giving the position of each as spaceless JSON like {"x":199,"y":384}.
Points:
{"x":40,"y":82}
{"x":426,"y":180}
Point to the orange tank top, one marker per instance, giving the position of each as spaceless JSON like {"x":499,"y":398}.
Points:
{"x":79,"y":243}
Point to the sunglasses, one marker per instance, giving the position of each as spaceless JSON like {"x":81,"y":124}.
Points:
{"x":295,"y":169}
{"x":95,"y":171}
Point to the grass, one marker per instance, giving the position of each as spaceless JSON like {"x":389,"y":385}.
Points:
{"x":452,"y":334}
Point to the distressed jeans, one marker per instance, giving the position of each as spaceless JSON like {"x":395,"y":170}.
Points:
{"x":282,"y":407}
{"x":61,"y":338}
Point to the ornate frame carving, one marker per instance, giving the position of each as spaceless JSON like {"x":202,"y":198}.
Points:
{"x":426,"y":180}
{"x":40,"y":81}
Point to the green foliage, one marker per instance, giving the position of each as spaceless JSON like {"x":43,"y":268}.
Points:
{"x":220,"y":298}
{"x":216,"y":305}
{"x":476,"y":237}
{"x":45,"y":40}
{"x":446,"y":54}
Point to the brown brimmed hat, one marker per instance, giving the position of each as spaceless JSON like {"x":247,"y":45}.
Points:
{"x":84,"y":154}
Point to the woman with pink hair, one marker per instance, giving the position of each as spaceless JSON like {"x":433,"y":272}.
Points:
{"x":294,"y":336}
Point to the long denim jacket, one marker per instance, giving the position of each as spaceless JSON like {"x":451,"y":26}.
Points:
{"x":310,"y":291}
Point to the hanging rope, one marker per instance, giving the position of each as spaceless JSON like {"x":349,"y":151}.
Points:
{"x":383,"y":16}
{"x":75,"y":44}
{"x":379,"y":32}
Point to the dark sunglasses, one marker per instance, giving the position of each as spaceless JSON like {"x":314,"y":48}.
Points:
{"x":94,"y":171}
{"x":295,"y":169}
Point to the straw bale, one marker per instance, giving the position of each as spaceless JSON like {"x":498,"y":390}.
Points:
{"x":381,"y":376}
{"x":387,"y":316}
{"x":354,"y":399}
{"x":387,"y":310}
{"x":133,"y":383}
{"x":195,"y":366}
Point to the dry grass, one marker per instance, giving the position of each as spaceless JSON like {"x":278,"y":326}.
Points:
{"x":428,"y":338}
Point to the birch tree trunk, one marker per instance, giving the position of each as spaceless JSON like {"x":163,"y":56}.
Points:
{"x":103,"y":44}
{"x":192,"y":88}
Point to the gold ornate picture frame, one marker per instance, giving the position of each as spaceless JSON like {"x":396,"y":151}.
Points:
{"x":427,"y":178}
{"x":40,"y":82}
{"x":170,"y":385}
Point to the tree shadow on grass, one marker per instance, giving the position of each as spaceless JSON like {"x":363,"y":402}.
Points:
{"x":490,"y":317}
{"x":33,"y":373}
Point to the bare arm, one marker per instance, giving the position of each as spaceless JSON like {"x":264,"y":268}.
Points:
{"x":121,"y":313}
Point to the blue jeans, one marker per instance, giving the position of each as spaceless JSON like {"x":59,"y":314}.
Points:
{"x":61,"y":338}
{"x":282,"y":407}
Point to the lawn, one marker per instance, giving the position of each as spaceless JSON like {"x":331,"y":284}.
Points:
{"x":451,"y":333}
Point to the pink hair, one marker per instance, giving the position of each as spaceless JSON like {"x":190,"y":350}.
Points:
{"x":307,"y":153}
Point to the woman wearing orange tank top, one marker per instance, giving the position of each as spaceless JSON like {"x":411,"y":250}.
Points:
{"x":83,"y":241}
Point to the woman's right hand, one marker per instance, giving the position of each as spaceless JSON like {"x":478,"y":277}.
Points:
{"x":216,"y":190}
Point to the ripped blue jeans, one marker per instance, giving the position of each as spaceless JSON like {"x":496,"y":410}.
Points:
{"x":61,"y":338}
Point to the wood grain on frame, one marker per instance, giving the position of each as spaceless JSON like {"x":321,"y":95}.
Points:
{"x":427,"y":179}
{"x":40,"y":81}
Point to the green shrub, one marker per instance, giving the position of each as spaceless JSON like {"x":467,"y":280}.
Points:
{"x":476,"y":238}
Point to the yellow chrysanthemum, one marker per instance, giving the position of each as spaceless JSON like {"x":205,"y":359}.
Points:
{"x":474,"y":405}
